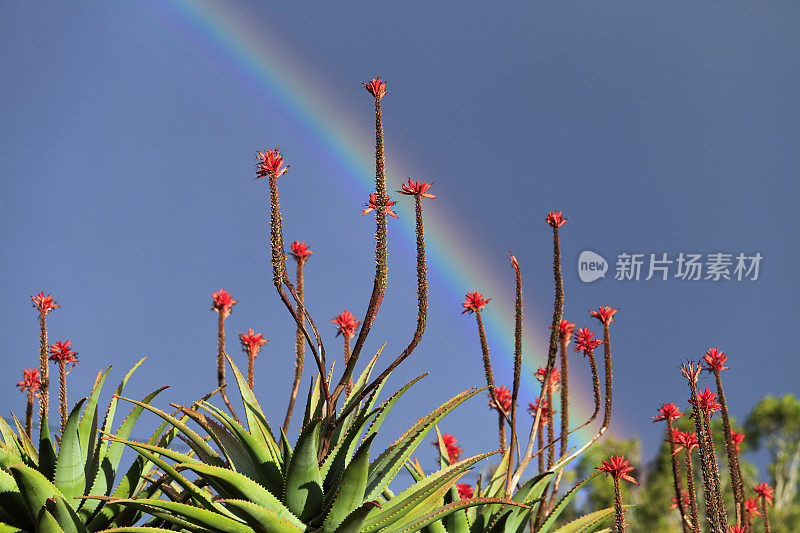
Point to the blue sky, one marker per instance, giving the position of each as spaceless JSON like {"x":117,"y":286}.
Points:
{"x":126,"y":186}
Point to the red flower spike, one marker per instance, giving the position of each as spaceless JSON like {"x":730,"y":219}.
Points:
{"x":223,"y":302}
{"x":737,"y":439}
{"x":474,"y":301}
{"x":372,"y":204}
{"x":555,"y":219}
{"x":764,"y":491}
{"x":604,"y":314}
{"x":545,"y":407}
{"x":346,"y":324}
{"x":555,"y":377}
{"x":44,"y":304}
{"x":584,"y":341}
{"x":30,"y":381}
{"x":735,"y":529}
{"x":252,"y":342}
{"x":464,"y":491}
{"x":416,"y":188}
{"x":503,"y":396}
{"x":376,"y":87}
{"x":715,"y":360}
{"x":686,"y":499}
{"x":453,"y":451}
{"x":300,"y":251}
{"x":707,"y":402}
{"x":751,"y":506}
{"x":618,"y":467}
{"x":61,"y":353}
{"x":270,"y":163}
{"x":684,"y":439}
{"x":691,"y":371}
{"x":565,"y":329}
{"x":668,"y":411}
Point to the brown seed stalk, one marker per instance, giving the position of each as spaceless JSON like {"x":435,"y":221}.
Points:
{"x":764,"y":515}
{"x":518,"y":330}
{"x":733,"y":457}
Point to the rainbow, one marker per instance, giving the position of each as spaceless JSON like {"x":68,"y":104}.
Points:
{"x":232,"y":38}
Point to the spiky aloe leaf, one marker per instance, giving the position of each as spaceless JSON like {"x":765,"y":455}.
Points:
{"x":303,"y":486}
{"x":70,"y":475}
{"x":261,"y":519}
{"x":87,"y":428}
{"x":193,"y":515}
{"x":12,"y":503}
{"x":359,"y":385}
{"x":65,"y":516}
{"x":352,"y":524}
{"x":8,"y":528}
{"x":417,"y":523}
{"x":489,"y":515}
{"x":34,"y":488}
{"x":233,"y":485}
{"x":385,"y":407}
{"x":334,"y":464}
{"x":28,"y":449}
{"x":421,"y":494}
{"x":385,"y":467}
{"x":587,"y":522}
{"x":350,"y":493}
{"x":47,"y":452}
{"x":256,"y":421}
{"x":46,"y":522}
{"x":528,"y":493}
{"x":561,"y":505}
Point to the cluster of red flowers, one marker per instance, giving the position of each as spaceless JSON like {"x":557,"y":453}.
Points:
{"x":686,"y":500}
{"x":604,"y":314}
{"x":555,"y":219}
{"x":565,"y":329}
{"x":417,"y":188}
{"x":346,"y":324}
{"x":584,"y":341}
{"x":300,"y":251}
{"x":474,"y":301}
{"x":60,"y":352}
{"x":252,"y":342}
{"x":715,"y":360}
{"x":453,"y":451}
{"x":737,"y":439}
{"x":503,"y":396}
{"x":376,"y":87}
{"x":684,"y":439}
{"x":555,"y":377}
{"x":545,"y":407}
{"x":30,"y":381}
{"x":464,"y":490}
{"x":223,"y":302}
{"x":618,"y":467}
{"x":668,"y":411}
{"x":270,"y":164}
{"x":44,"y":304}
{"x":707,"y":401}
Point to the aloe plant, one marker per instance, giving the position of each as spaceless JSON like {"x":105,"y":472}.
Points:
{"x":249,"y":479}
{"x":42,"y":488}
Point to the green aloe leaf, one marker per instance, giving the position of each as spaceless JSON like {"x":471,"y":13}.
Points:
{"x":233,"y":485}
{"x":350,"y":493}
{"x":70,"y":476}
{"x":47,"y":452}
{"x":12,"y":503}
{"x":582,"y":524}
{"x":8,"y":528}
{"x":261,"y":519}
{"x":303,"y":488}
{"x":194,"y":515}
{"x":87,"y":428}
{"x":385,"y":467}
{"x":352,"y":524}
{"x":46,"y":522}
{"x":28,"y":449}
{"x":385,"y":407}
{"x":34,"y":488}
{"x":417,"y":523}
{"x":561,"y":505}
{"x":65,"y":516}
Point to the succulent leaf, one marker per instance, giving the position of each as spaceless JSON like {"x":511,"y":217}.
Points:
{"x":261,"y":519}
{"x":70,"y":476}
{"x":350,"y":492}
{"x":303,"y":486}
{"x":561,"y":505}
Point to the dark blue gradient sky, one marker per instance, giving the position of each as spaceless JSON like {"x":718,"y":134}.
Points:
{"x":126,"y":187}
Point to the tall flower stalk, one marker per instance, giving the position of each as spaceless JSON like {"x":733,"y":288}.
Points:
{"x":605,"y":315}
{"x":715,"y":361}
{"x":222,"y":303}
{"x":517,"y":366}
{"x":668,"y":413}
{"x":43,"y":304}
{"x":585,"y":343}
{"x":30,"y":383}
{"x":687,"y":441}
{"x":565,"y":330}
{"x":346,"y":326}
{"x":765,"y":495}
{"x":618,"y":467}
{"x":251,"y":344}
{"x":61,"y":354}
{"x":301,"y":253}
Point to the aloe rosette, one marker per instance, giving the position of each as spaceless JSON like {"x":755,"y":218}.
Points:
{"x":43,"y":488}
{"x":248,"y":479}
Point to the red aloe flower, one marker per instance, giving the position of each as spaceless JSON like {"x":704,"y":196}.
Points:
{"x":715,"y":360}
{"x":735,"y":529}
{"x":737,"y":439}
{"x":584,"y":341}
{"x":453,"y":451}
{"x":555,"y":219}
{"x":764,"y":491}
{"x":555,"y":377}
{"x":300,"y":251}
{"x":252,"y":342}
{"x":565,"y":329}
{"x":346,"y":324}
{"x":464,"y":490}
{"x":61,"y":353}
{"x":416,"y":188}
{"x":513,"y":260}
{"x":372,"y":204}
{"x":44,"y":304}
{"x":545,"y":407}
{"x":604,"y":314}
{"x":503,"y":396}
{"x":684,"y":439}
{"x":668,"y":411}
{"x":686,"y":500}
{"x":751,"y":506}
{"x":376,"y":87}
{"x":223,"y":302}
{"x":618,"y":467}
{"x":475,"y":301}
{"x":270,"y":164}
{"x":30,"y":381}
{"x":691,"y":371}
{"x":707,"y":402}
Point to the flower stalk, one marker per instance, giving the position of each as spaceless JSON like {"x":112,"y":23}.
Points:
{"x":669,"y":412}
{"x":43,"y":304}
{"x":31,"y":384}
{"x":61,"y":354}
{"x":618,"y":467}
{"x":518,"y":331}
{"x":301,"y":253}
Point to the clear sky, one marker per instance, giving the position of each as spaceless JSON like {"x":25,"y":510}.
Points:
{"x":126,"y":191}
